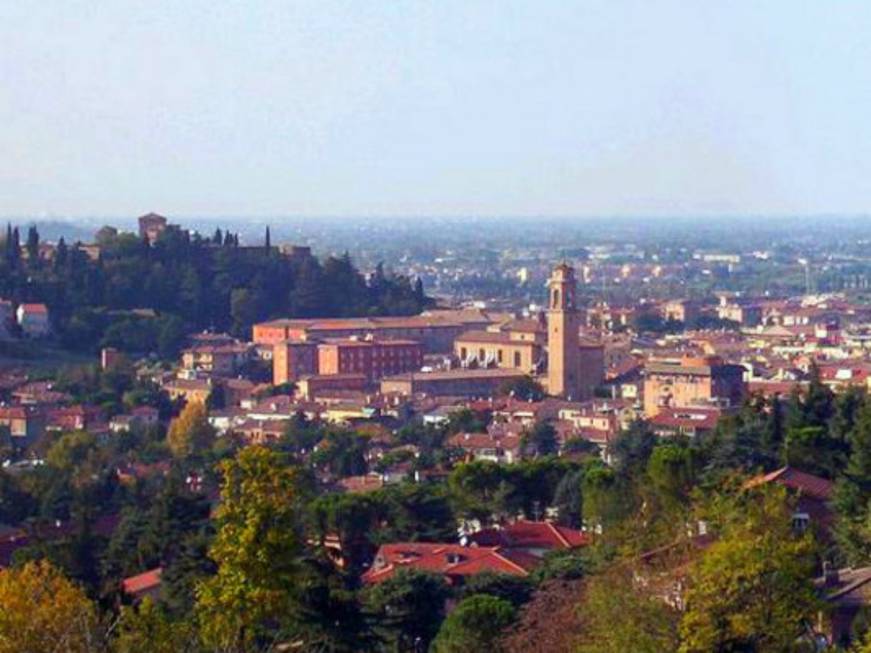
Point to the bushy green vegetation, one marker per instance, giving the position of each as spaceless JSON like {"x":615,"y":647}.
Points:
{"x":146,"y":298}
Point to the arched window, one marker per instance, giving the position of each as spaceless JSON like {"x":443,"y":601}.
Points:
{"x":555,"y":298}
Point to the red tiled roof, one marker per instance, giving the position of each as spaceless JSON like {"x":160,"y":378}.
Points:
{"x":452,"y":560}
{"x":142,"y":582}
{"x":34,"y":308}
{"x":365,"y":483}
{"x":794,"y":479}
{"x":531,"y":535}
{"x":13,"y":412}
{"x":692,"y":418}
{"x":476,"y":441}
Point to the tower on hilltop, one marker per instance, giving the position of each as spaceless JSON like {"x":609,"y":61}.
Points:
{"x":563,"y":356}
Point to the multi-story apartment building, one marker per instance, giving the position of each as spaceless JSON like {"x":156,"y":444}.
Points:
{"x":689,"y":382}
{"x":374,"y":359}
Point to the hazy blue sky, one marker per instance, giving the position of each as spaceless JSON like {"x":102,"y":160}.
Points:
{"x":456,"y":108}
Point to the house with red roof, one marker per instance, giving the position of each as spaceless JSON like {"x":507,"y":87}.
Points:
{"x":535,"y":538}
{"x":24,"y":423}
{"x":813,"y":493}
{"x":692,"y":422}
{"x":487,"y":446}
{"x":33,"y":320}
{"x":454,"y":561}
{"x":142,"y":585}
{"x":74,"y":418}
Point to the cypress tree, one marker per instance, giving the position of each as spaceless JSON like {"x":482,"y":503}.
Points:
{"x":32,"y":244}
{"x":15,"y":247}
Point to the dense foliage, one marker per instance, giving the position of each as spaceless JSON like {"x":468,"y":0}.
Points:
{"x":145,"y":298}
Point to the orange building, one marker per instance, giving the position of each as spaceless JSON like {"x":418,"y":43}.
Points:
{"x":563,"y":364}
{"x":591,"y":366}
{"x":688,"y":382}
{"x":435,"y":333}
{"x":292,"y":360}
{"x":374,"y":359}
{"x":499,"y":349}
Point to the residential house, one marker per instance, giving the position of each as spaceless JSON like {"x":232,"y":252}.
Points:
{"x":25,"y":423}
{"x":453,"y":561}
{"x":535,"y":538}
{"x":146,"y":584}
{"x":813,"y":493}
{"x":485,"y":446}
{"x":33,"y":320}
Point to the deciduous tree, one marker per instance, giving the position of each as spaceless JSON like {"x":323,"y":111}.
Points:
{"x":40,"y":610}
{"x":752,"y":590}
{"x":190,"y":433}
{"x":257,"y":549}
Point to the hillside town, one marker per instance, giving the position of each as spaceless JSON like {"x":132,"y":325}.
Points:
{"x":456,"y":450}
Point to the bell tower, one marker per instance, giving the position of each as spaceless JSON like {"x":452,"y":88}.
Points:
{"x":563,"y":345}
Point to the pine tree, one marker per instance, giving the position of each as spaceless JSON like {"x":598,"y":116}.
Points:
{"x":853,"y":493}
{"x":218,"y":238}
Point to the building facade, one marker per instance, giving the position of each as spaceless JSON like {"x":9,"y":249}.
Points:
{"x":151,"y":225}
{"x":498,"y":349}
{"x":374,"y":359}
{"x":692,"y":382}
{"x":293,"y":360}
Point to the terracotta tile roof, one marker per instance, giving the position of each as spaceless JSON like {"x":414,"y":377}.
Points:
{"x":477,"y":441}
{"x":688,"y":418}
{"x":359,"y":484}
{"x":794,"y":479}
{"x":40,"y":309}
{"x":452,"y":560}
{"x":531,"y":535}
{"x":14,"y":412}
{"x":143,"y":582}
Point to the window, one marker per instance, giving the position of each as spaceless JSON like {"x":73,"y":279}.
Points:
{"x":516,"y":359}
{"x":499,"y":355}
{"x":800,"y":522}
{"x":555,"y":303}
